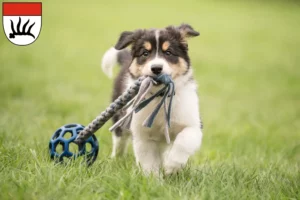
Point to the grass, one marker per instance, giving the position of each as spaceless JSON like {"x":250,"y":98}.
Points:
{"x":246,"y":62}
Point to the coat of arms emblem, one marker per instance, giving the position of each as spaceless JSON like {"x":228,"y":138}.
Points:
{"x":22,"y":21}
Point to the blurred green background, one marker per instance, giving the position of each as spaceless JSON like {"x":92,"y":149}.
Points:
{"x":246,"y":62}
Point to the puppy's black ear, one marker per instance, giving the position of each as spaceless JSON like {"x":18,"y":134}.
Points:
{"x":187,"y":31}
{"x":126,"y":38}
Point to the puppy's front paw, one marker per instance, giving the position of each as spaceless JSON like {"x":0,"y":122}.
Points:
{"x":172,"y":166}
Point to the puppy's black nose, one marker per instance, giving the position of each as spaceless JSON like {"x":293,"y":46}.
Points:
{"x":156,"y":69}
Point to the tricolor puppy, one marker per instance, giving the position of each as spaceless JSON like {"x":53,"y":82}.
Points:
{"x":154,"y":52}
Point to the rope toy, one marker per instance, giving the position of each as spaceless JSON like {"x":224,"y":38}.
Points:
{"x":135,"y":97}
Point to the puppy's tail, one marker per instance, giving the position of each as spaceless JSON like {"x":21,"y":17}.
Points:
{"x":113,"y":56}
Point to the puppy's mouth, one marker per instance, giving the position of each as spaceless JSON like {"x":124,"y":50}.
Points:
{"x":156,"y":81}
{"x":160,"y":79}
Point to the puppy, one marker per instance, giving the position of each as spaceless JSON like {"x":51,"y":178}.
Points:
{"x":154,"y":52}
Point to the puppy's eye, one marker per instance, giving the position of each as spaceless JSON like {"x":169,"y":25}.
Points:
{"x":146,"y":53}
{"x":168,"y":53}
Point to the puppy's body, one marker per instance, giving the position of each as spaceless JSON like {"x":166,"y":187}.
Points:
{"x":155,"y":52}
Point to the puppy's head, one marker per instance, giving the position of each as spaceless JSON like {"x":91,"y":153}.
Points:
{"x":158,"y":51}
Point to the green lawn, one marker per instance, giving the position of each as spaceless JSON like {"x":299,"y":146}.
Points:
{"x":246,"y":62}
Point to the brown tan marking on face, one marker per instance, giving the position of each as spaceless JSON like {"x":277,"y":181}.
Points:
{"x":135,"y":69}
{"x":179,"y":69}
{"x":165,"y":45}
{"x":148,"y":45}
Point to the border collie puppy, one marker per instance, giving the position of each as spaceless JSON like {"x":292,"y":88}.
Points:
{"x":154,"y":52}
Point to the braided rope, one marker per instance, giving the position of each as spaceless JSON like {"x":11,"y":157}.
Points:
{"x":112,"y":109}
{"x":139,"y":88}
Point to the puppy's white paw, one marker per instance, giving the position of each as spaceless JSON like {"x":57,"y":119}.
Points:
{"x":172,"y":166}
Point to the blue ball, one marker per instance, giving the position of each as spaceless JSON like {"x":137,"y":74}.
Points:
{"x":60,"y":138}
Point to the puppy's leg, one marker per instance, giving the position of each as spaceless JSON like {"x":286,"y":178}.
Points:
{"x":120,"y":142}
{"x":147,"y":154}
{"x":185,"y":145}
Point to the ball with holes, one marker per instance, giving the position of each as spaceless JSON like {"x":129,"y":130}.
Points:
{"x":62,"y":144}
